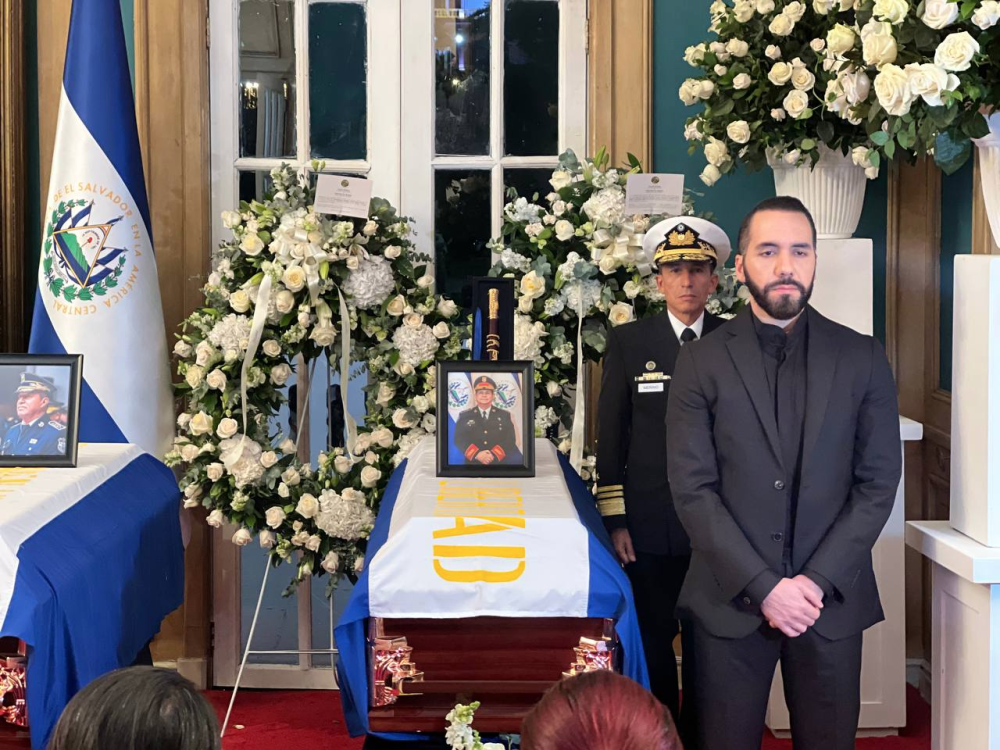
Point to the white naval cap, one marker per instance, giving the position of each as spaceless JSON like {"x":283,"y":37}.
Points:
{"x":686,"y":238}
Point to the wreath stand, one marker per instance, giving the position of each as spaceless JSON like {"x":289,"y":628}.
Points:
{"x":247,"y":651}
{"x":303,"y":444}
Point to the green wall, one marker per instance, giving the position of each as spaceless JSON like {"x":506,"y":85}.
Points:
{"x":678,"y":24}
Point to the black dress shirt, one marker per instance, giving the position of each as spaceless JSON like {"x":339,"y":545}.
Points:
{"x":784,"y":358}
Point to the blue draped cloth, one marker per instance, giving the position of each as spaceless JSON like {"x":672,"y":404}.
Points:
{"x":93,"y":585}
{"x":610,"y":597}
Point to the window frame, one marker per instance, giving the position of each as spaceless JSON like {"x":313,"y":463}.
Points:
{"x":420,"y":160}
{"x":381,"y":165}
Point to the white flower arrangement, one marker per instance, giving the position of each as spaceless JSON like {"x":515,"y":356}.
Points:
{"x":234,"y":464}
{"x":593,"y":269}
{"x":894,"y":77}
{"x":459,"y":733}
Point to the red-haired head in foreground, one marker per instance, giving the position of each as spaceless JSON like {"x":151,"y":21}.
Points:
{"x":599,"y":711}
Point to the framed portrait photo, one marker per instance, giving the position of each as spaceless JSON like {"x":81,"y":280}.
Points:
{"x":486,"y":419}
{"x":39,"y":409}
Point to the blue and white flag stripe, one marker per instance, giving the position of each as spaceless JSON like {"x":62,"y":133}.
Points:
{"x":97,"y":221}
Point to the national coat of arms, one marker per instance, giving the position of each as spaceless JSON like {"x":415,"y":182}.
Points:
{"x":78,"y":261}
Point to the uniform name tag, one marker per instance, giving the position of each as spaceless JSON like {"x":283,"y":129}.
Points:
{"x":650,"y":387}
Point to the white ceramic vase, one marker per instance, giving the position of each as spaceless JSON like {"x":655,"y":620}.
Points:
{"x":989,"y":172}
{"x":833,"y":191}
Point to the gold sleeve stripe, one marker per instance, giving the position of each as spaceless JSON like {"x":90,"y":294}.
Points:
{"x":611,"y":507}
{"x":610,"y":488}
{"x":619,"y":495}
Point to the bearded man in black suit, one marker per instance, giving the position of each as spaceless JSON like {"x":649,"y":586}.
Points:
{"x":784,"y":458}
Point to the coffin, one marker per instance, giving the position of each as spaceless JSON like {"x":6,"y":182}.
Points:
{"x":419,"y":669}
{"x":487,"y":590}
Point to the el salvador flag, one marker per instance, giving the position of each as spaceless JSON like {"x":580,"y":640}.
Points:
{"x":98,"y":293}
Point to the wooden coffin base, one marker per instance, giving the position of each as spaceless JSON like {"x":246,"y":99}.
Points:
{"x":13,"y":686}
{"x":419,"y":668}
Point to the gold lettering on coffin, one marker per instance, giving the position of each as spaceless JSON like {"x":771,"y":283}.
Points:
{"x":477,"y":511}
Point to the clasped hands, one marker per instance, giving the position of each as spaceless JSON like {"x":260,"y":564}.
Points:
{"x":793,"y":606}
{"x":484,"y":457}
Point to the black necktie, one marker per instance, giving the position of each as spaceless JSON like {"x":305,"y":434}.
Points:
{"x":688,"y":335}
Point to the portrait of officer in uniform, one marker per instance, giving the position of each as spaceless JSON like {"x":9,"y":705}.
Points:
{"x":633,"y":494}
{"x":485,"y":434}
{"x":485,"y":419}
{"x":35,"y":430}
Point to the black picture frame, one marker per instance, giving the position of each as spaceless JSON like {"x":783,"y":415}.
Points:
{"x":46,"y":365}
{"x":451,"y":460}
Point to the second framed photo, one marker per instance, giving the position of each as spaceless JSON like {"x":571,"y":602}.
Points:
{"x":486,"y":419}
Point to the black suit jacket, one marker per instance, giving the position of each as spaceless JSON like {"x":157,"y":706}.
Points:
{"x":728,"y":480}
{"x":631,"y":435}
{"x":494,"y":434}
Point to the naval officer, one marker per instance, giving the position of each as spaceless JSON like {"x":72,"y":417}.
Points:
{"x":484,"y":433}
{"x":633,"y":495}
{"x":34,"y":434}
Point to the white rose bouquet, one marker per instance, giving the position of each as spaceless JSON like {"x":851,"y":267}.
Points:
{"x":877,"y":79}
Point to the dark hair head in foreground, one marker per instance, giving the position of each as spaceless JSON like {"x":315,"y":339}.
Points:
{"x":139,"y":708}
{"x":599,"y":711}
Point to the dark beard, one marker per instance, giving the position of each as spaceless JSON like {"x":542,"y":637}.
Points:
{"x":785,"y":307}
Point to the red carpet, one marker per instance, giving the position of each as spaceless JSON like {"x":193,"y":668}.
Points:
{"x":285,"y":719}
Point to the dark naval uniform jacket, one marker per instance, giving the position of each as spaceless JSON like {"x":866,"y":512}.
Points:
{"x":495,"y":433}
{"x":40,"y":438}
{"x":632,"y":488}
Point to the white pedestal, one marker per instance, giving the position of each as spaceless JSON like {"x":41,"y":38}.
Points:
{"x":965,"y":635}
{"x":883,"y":665}
{"x":975,"y":399}
{"x":844,"y":282}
